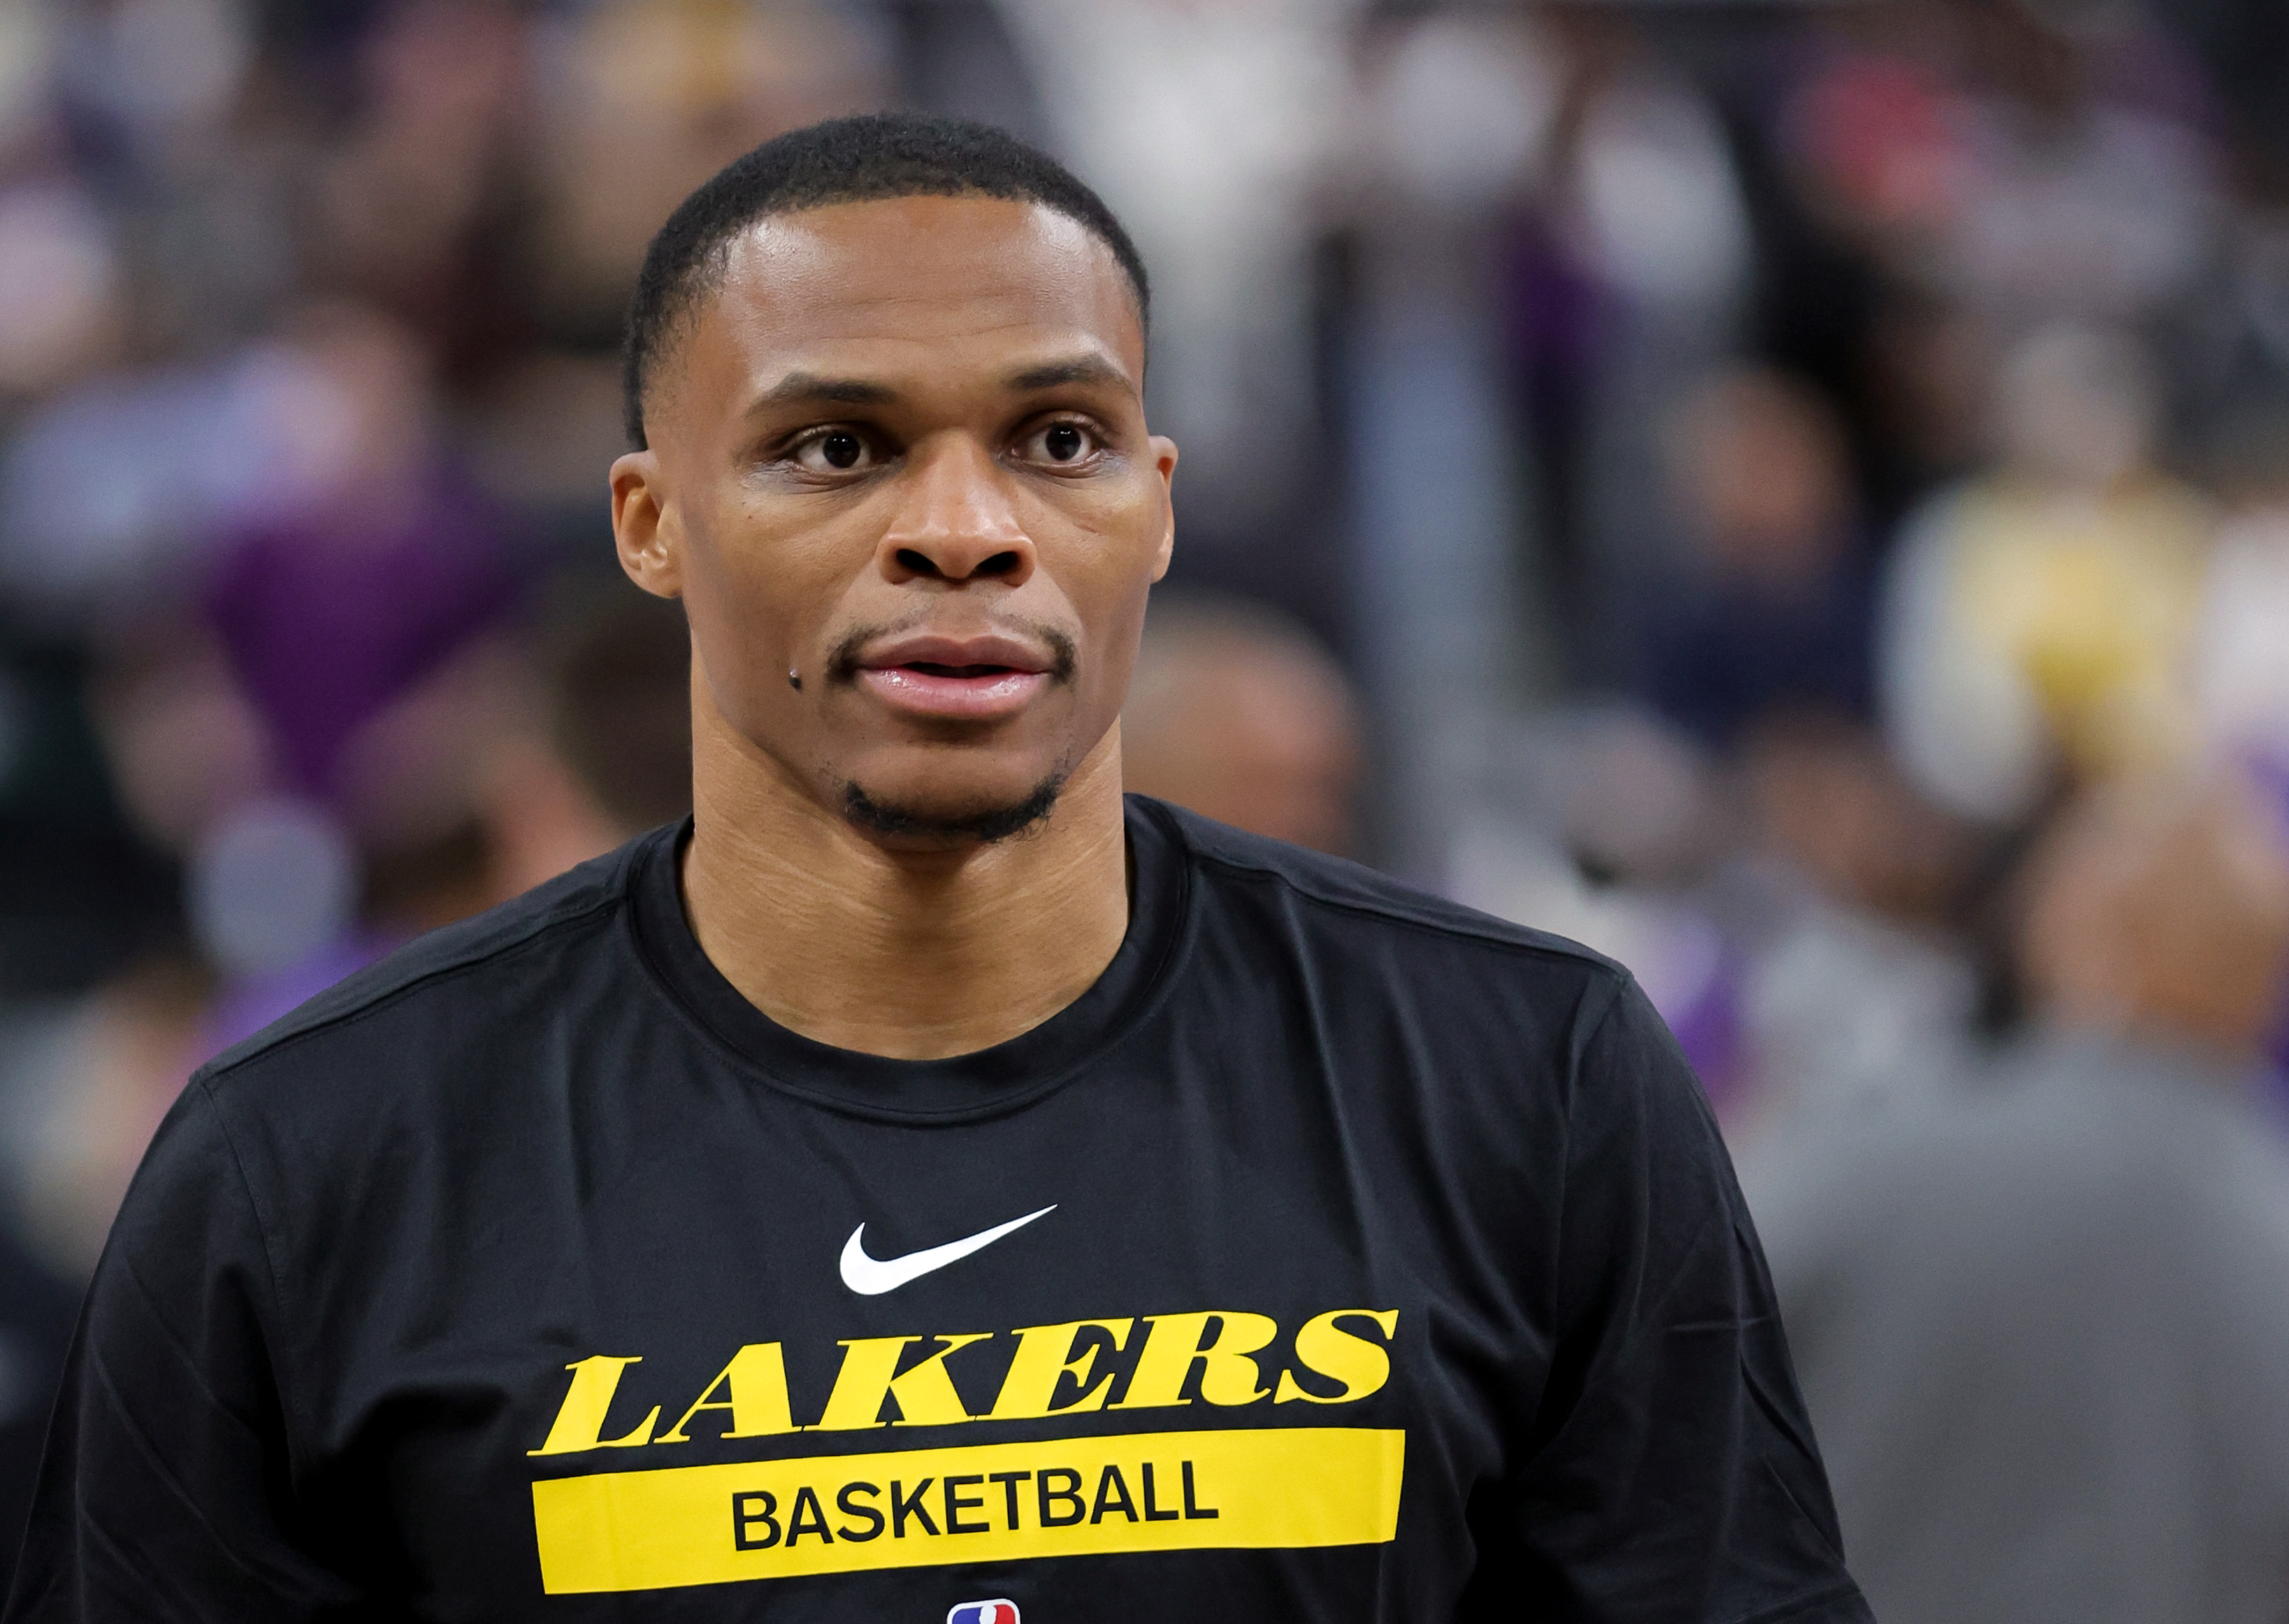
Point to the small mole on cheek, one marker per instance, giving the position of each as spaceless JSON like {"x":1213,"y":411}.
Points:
{"x":794,"y":681}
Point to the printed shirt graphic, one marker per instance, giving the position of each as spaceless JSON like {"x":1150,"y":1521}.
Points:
{"x":1339,"y":1255}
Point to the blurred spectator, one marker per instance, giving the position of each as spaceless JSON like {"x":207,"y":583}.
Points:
{"x":85,"y":1090}
{"x":60,"y":262}
{"x":330,"y":608}
{"x":2073,"y":202}
{"x":525,"y":755}
{"x":524,"y":752}
{"x":2039,"y":618}
{"x":1602,"y":826}
{"x":626,"y":106}
{"x":1237,"y":712}
{"x":1873,"y":131}
{"x":2039,"y":1321}
{"x":638,"y":101}
{"x":610,"y":756}
{"x":1770,"y":612}
{"x":357,"y":623}
{"x":410,"y":194}
{"x":1626,"y":271}
{"x":1986,"y":150}
{"x":1854,"y":996}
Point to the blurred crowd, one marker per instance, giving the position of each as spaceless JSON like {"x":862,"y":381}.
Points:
{"x":1794,"y":495}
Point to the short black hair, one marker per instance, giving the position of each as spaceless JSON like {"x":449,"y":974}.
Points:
{"x":861,"y":159}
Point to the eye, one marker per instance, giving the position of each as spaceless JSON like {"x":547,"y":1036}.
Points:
{"x":1061,"y":444}
{"x":834,"y":450}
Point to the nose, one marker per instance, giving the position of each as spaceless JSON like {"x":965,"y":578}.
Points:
{"x":956,"y":523}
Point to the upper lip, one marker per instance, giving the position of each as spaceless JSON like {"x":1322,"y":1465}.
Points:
{"x":989,"y":649}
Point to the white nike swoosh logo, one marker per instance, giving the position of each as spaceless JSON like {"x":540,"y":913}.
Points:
{"x":869,"y":1278}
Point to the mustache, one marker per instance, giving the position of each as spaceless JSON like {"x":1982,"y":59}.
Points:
{"x":842,"y":661}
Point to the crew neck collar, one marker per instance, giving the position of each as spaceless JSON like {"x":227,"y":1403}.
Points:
{"x":1009,"y":1073}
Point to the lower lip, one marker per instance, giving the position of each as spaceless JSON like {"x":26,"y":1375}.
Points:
{"x":985,"y":698}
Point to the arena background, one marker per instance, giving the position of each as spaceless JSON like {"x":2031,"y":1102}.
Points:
{"x":1796,"y":495}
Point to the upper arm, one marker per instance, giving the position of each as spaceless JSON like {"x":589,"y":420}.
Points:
{"x":1671,"y":1474}
{"x":168,"y":1486}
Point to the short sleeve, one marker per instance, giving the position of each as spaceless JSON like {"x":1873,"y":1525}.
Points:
{"x":167,"y":1486}
{"x":1671,"y":1474}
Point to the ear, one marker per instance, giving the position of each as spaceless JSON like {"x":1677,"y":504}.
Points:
{"x":1164,"y":459}
{"x":644,"y":532}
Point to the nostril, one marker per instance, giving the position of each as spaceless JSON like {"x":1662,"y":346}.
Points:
{"x":919,"y":562}
{"x":1001,"y":563}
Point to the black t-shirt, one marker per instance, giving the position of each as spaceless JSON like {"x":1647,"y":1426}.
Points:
{"x":1341,"y":1254}
{"x":37,"y":1310}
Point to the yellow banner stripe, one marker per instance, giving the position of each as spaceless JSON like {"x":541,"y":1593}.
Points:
{"x":1282,"y":1486}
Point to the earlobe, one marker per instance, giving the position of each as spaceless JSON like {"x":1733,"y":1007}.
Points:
{"x":641,"y":530}
{"x":1165,"y":456}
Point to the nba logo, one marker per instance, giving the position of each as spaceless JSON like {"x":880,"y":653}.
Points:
{"x":984,"y":1613}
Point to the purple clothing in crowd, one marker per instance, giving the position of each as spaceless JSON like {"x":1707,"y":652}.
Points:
{"x":330,"y":617}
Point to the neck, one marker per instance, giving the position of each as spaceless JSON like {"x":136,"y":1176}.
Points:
{"x":915,"y":955}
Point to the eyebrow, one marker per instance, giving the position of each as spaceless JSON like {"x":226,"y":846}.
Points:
{"x":808,"y":387}
{"x":1079,"y":370}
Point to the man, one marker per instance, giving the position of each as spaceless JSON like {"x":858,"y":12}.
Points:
{"x":922,"y":1187}
{"x":1239,"y":715}
{"x":2043,"y":1319}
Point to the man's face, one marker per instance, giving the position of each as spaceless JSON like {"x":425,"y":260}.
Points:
{"x":901,"y":453}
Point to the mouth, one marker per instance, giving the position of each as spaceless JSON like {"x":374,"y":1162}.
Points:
{"x":961,"y":679}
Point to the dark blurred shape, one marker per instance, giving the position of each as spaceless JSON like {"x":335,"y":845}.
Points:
{"x":2041,"y":1321}
{"x":1773,"y":611}
{"x":80,"y":895}
{"x":2243,"y":43}
{"x":1828,"y":798}
{"x":1239,"y":713}
{"x":956,"y":58}
{"x":619,"y":700}
{"x":36,"y":1311}
{"x":1854,"y":993}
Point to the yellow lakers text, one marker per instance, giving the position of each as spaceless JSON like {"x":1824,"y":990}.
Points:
{"x":1340,"y":1356}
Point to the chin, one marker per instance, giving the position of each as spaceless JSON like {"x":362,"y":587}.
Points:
{"x":930,"y":816}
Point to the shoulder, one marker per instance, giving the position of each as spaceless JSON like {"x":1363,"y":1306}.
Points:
{"x":1331,"y":908}
{"x":1338,"y":890}
{"x":460,"y":965}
